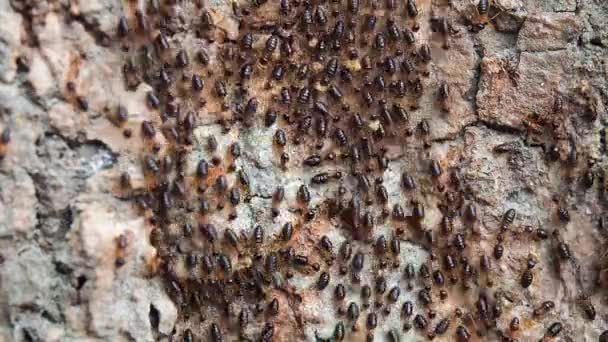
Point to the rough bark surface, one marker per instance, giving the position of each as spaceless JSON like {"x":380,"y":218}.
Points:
{"x":526,"y":130}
